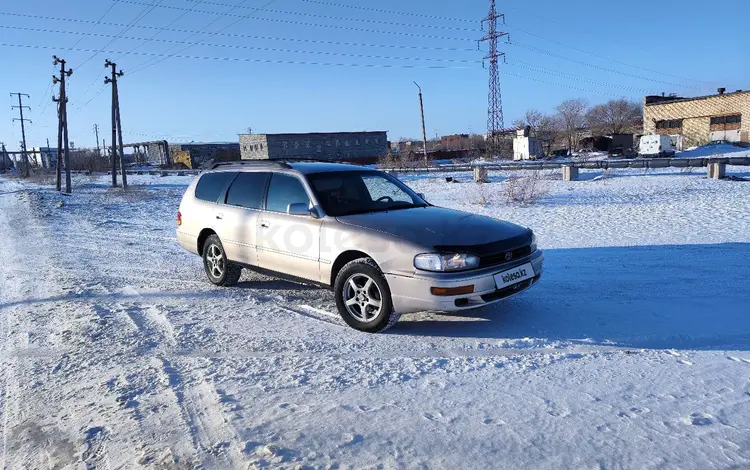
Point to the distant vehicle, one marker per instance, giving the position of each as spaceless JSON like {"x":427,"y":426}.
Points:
{"x":656,"y":146}
{"x":379,"y":245}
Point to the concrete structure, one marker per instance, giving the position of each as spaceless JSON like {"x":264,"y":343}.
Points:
{"x":700,"y":120}
{"x":363,"y":147}
{"x":525,"y":147}
{"x":570,"y":173}
{"x":717,"y":170}
{"x":480,"y":174}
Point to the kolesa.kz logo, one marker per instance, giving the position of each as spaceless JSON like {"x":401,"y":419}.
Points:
{"x":514,"y":275}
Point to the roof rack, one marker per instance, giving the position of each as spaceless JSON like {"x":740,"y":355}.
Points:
{"x":260,"y":163}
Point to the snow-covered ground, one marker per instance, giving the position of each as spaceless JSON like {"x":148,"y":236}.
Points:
{"x":632,"y":352}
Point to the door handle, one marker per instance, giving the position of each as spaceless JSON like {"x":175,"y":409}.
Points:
{"x":219,"y":216}
{"x":265,"y":224}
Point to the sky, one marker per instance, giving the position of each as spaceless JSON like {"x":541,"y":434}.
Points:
{"x":348,"y":65}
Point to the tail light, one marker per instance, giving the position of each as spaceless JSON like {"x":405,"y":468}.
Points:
{"x":660,"y":147}
{"x":179,"y":218}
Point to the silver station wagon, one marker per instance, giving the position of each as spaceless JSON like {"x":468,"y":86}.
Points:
{"x":381,"y":247}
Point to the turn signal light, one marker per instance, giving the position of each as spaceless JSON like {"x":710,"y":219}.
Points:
{"x":445,"y":291}
{"x":179,"y":218}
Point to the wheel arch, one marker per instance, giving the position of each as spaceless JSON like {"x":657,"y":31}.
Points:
{"x":202,"y":237}
{"x":342,"y":260}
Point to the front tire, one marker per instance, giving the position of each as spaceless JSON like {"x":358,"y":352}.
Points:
{"x":218,"y":268}
{"x":363,"y":297}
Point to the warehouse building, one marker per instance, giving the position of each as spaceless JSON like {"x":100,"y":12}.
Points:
{"x":360,"y":147}
{"x":700,"y":120}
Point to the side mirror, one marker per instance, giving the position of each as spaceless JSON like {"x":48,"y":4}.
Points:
{"x":421,"y":195}
{"x":299,"y":208}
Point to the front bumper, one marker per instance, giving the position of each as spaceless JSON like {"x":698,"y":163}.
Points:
{"x":412,"y":293}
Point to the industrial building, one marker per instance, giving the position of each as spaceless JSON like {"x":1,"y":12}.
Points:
{"x":361,"y":147}
{"x":700,"y":120}
{"x":195,"y":154}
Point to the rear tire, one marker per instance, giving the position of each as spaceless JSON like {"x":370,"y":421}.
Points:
{"x":219,"y":270}
{"x":363,"y":297}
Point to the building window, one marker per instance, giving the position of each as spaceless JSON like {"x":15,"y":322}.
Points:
{"x":261,"y":146}
{"x":328,"y":143}
{"x":346,"y":143}
{"x":296,"y":144}
{"x":338,"y":143}
{"x":319,"y":148}
{"x":669,"y":124}
{"x":284,"y":144}
{"x":367,"y":141}
{"x":244,"y":147}
{"x":307,"y":144}
{"x":377,"y":141}
{"x":356,"y":142}
{"x":735,"y":119}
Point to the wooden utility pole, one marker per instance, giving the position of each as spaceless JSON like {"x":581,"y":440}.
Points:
{"x":63,"y":152}
{"x":424,"y":132}
{"x":3,"y":156}
{"x":116,"y":127}
{"x":96,"y":131}
{"x":24,"y":154}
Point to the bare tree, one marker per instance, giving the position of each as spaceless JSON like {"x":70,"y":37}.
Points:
{"x":573,"y":117}
{"x":548,"y":132}
{"x":532,"y":118}
{"x":615,"y":116}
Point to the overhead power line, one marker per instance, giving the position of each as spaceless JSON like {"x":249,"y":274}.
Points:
{"x":348,"y":19}
{"x":255,"y":48}
{"x":250,"y":36}
{"x":378,"y":10}
{"x":317,"y":25}
{"x":599,"y":56}
{"x":245,"y":59}
{"x":599,"y":67}
{"x":578,"y":78}
{"x":149,"y":8}
{"x":147,"y":65}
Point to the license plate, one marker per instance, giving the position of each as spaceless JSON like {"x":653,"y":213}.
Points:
{"x":514,"y":276}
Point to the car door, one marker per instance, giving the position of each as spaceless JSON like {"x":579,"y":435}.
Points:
{"x":239,"y":216}
{"x":288,"y":244}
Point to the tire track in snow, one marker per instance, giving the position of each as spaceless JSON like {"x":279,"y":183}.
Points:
{"x":215,"y":442}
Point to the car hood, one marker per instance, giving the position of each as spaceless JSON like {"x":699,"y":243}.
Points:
{"x":440,"y":228}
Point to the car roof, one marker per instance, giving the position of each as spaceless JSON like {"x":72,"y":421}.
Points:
{"x":302,"y":167}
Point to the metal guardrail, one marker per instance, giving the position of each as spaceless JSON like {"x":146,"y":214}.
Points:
{"x":597,"y":164}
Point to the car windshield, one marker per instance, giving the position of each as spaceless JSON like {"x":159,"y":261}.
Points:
{"x":358,"y":192}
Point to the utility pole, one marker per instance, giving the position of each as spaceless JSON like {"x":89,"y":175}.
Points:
{"x":424,"y":132}
{"x":495,"y":103}
{"x":96,"y":131}
{"x":3,"y":156}
{"x":49,"y":157}
{"x":116,"y":126}
{"x":24,"y":154}
{"x":63,"y":151}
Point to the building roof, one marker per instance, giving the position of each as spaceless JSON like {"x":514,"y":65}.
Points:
{"x":667,"y":100}
{"x":312,"y":134}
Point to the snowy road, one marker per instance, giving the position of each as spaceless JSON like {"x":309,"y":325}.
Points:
{"x":633,"y":351}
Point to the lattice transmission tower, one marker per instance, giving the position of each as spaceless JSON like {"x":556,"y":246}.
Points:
{"x":495,"y":101}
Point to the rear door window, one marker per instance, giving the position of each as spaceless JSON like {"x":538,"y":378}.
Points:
{"x":212,"y":185}
{"x":247,"y":190}
{"x":285,"y":190}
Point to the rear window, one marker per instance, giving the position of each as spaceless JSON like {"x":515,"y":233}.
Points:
{"x":211,"y":185}
{"x":247,"y":190}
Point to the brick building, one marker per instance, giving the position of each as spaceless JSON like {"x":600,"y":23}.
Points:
{"x":363,"y":147}
{"x":700,"y":120}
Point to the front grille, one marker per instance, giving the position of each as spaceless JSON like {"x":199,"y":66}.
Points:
{"x":504,"y":256}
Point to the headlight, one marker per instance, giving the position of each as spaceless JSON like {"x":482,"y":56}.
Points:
{"x":445,"y":262}
{"x":533,"y":243}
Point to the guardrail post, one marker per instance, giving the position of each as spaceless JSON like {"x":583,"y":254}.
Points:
{"x":480,"y":174}
{"x":570,"y":173}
